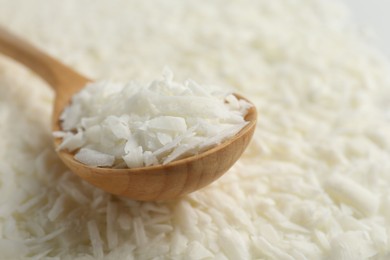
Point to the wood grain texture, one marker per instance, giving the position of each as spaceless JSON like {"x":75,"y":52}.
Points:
{"x":160,"y":182}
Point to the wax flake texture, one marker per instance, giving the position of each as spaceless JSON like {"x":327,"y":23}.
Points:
{"x":131,"y":125}
{"x":313,"y":184}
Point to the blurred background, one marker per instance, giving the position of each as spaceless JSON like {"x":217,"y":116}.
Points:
{"x":374,"y":17}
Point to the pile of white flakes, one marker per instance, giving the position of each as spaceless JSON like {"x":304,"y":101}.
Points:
{"x":131,"y":125}
{"x":314,"y":183}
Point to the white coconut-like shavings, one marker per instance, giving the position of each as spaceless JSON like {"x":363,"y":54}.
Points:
{"x":313,"y":184}
{"x":348,"y":192}
{"x":95,"y":238}
{"x":133,"y":124}
{"x":94,"y":158}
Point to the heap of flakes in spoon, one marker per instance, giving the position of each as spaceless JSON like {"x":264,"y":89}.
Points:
{"x":133,"y":125}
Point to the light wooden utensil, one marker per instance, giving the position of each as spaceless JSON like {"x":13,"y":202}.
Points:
{"x":159,"y":182}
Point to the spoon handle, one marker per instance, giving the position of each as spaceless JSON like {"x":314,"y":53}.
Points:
{"x":52,"y":71}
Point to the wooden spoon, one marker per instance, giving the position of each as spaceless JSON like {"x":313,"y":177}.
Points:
{"x":159,"y":182}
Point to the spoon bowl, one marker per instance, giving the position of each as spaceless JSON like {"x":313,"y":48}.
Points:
{"x":175,"y":179}
{"x":160,"y":182}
